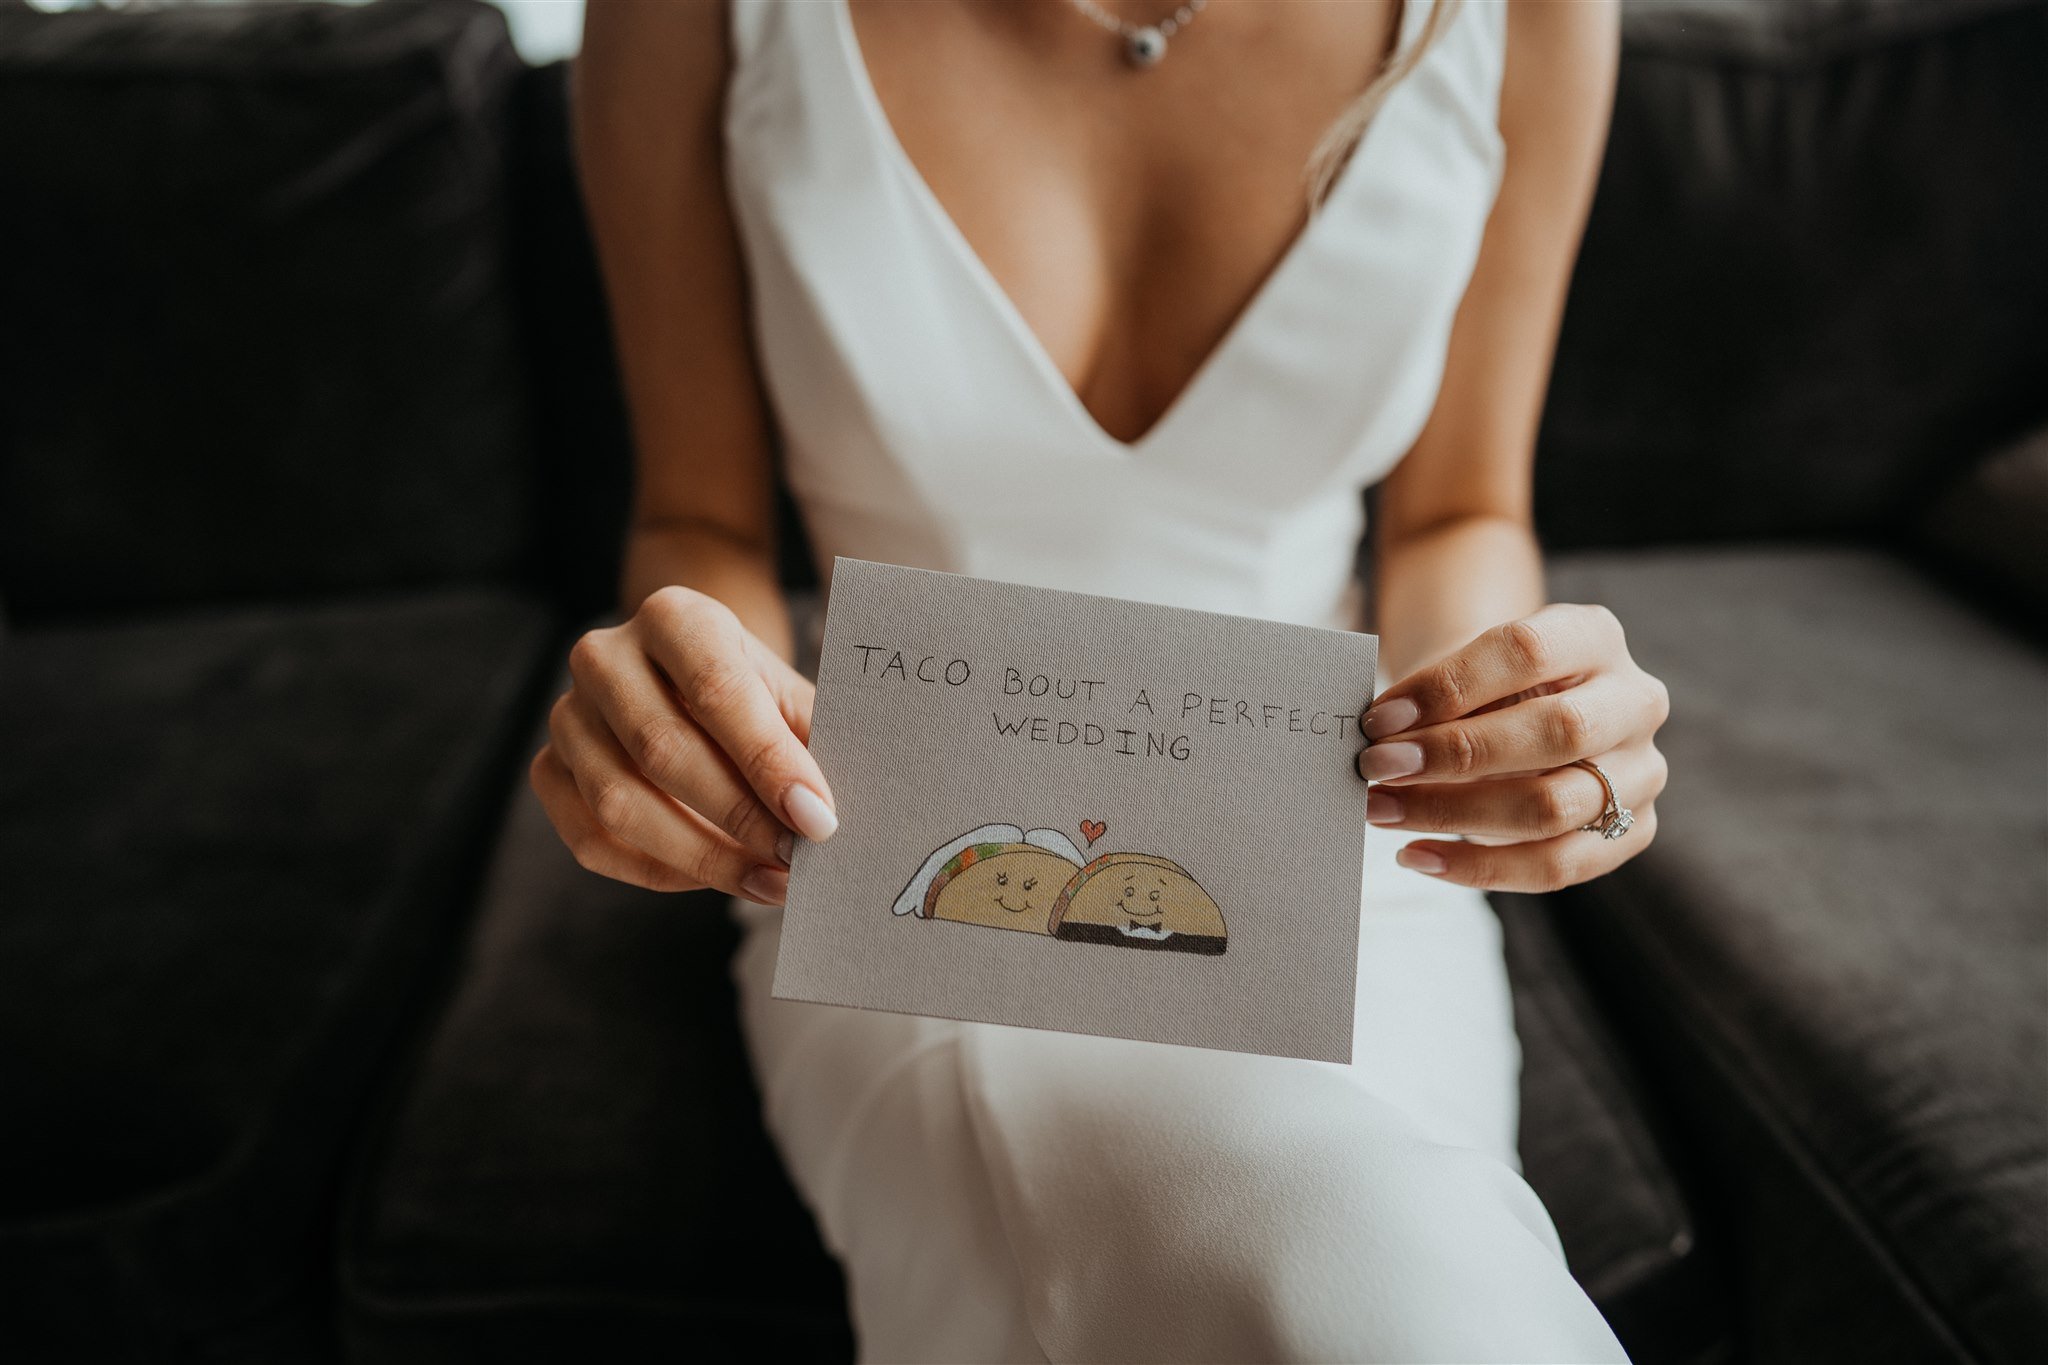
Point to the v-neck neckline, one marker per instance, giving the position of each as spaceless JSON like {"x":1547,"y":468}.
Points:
{"x":853,"y":62}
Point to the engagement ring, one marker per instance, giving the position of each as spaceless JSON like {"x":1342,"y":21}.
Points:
{"x":1617,"y":819}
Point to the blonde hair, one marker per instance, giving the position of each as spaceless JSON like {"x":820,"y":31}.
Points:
{"x":1341,"y":138}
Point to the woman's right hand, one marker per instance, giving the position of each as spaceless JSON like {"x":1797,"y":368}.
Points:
{"x":677,"y":760}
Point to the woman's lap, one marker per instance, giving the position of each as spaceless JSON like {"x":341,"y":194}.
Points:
{"x":1002,"y":1193}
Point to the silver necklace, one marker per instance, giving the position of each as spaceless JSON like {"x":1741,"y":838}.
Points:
{"x":1144,"y":44}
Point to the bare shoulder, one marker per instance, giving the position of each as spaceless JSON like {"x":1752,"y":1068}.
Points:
{"x":676,"y":52}
{"x":1557,"y":87}
{"x":647,"y":90}
{"x":1560,"y":54}
{"x":1557,"y":27}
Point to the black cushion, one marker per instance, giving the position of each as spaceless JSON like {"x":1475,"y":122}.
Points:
{"x":259,"y":338}
{"x":1594,"y":1153}
{"x":1835,"y":954}
{"x":578,"y":1166}
{"x":232,"y":841}
{"x":1812,"y":288}
{"x":578,"y":1169}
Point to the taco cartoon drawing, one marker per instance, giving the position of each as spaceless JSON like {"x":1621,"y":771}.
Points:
{"x":1139,"y":901}
{"x":997,"y":875}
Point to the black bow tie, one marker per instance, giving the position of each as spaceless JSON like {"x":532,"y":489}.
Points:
{"x":1154,"y":927}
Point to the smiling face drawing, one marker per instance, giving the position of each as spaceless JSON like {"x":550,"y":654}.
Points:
{"x":1005,"y":886}
{"x":997,"y":875}
{"x":1004,"y":877}
{"x":1139,"y":901}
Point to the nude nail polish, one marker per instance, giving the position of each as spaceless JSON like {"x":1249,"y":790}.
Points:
{"x":785,"y":846}
{"x":809,"y":813}
{"x":1390,"y":718}
{"x":1421,"y":860}
{"x":765,"y":885}
{"x":1382,"y":807}
{"x":1383,"y":761}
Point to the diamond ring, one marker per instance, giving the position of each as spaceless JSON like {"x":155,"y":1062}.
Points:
{"x":1617,"y":819}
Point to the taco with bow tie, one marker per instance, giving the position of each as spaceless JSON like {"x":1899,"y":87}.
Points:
{"x":1136,"y":900}
{"x":998,"y":876}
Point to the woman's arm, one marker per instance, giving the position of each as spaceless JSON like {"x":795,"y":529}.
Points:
{"x":1499,"y":695}
{"x":677,"y":759}
{"x":648,"y":95}
{"x":1455,"y":550}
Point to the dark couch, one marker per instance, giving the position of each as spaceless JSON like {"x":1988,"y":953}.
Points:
{"x":313,"y":1041}
{"x":1799,"y":432}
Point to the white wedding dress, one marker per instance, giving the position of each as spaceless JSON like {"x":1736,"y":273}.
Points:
{"x":1004,"y":1194}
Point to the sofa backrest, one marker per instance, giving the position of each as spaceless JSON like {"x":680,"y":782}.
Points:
{"x":299,"y":299}
{"x":1814,"y":287}
{"x":257,"y":334}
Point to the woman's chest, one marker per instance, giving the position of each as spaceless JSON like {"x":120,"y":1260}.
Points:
{"x":1244,"y":376}
{"x":1129,"y":216}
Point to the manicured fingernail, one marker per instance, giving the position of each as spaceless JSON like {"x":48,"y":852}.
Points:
{"x":1382,"y":807}
{"x":1390,"y":718}
{"x":809,"y":813}
{"x":1421,"y":860}
{"x":1383,"y":761}
{"x":785,"y":846}
{"x":765,"y":885}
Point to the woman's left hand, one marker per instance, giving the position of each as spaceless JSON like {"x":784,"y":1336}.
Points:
{"x":1484,"y":743}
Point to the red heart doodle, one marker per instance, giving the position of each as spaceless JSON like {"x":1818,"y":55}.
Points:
{"x":1094,"y":829}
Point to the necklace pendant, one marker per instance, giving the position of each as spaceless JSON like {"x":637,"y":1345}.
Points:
{"x":1144,"y":47}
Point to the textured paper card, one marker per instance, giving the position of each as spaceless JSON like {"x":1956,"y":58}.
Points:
{"x":1082,"y":813}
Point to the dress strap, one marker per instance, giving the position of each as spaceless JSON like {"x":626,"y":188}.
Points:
{"x":747,"y":23}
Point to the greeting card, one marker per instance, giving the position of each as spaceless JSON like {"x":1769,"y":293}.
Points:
{"x":1066,"y":811}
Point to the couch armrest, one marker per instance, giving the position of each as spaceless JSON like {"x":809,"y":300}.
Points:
{"x":1993,"y":526}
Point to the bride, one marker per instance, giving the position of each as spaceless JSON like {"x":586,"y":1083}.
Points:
{"x":1105,"y":295}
